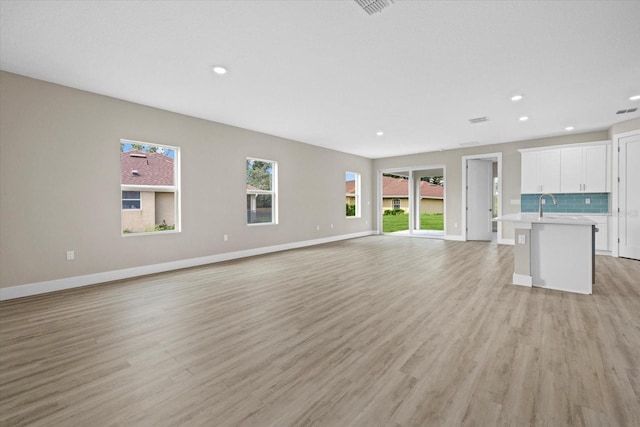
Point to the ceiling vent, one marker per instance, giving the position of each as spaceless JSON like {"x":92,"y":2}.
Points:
{"x":478,"y":120}
{"x":374,"y":6}
{"x":630,"y":110}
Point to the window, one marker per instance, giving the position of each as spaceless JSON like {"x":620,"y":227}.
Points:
{"x":352,"y":181}
{"x":149,"y":185}
{"x":130,"y":200}
{"x":396,"y":203}
{"x":261,"y":191}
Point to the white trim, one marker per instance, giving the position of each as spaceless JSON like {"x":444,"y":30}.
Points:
{"x":614,"y":231}
{"x":522,"y":280}
{"x":580,"y":144}
{"x":511,"y":242}
{"x":358,"y":193}
{"x":463,"y":220}
{"x":153,"y":188}
{"x":108,"y":276}
{"x":573,"y":291}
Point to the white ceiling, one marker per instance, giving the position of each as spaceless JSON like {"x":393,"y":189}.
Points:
{"x":326,"y":73}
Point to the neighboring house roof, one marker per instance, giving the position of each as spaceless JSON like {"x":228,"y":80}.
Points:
{"x":398,"y":187}
{"x":351,"y":188}
{"x":142,"y":168}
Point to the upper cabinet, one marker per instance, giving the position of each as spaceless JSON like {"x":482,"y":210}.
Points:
{"x":584,"y":169}
{"x":576,"y":168}
{"x":540,"y":171}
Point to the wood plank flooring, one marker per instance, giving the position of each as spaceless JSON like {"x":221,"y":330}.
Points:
{"x":377,"y":331}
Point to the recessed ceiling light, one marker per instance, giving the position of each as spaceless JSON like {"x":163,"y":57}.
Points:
{"x":634,"y":98}
{"x":569,"y":128}
{"x":219,"y":70}
{"x":524,"y":118}
{"x":379,"y":133}
{"x":516,"y":98}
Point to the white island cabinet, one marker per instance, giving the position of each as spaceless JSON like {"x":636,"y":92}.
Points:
{"x":553,"y":252}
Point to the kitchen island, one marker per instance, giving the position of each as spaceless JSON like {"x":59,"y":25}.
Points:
{"x":554,"y":251}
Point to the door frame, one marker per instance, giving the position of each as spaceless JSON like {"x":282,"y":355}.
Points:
{"x":463,"y":221}
{"x":411,"y":170}
{"x":614,"y":232}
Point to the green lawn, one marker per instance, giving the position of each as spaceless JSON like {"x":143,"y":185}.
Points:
{"x":391,"y":223}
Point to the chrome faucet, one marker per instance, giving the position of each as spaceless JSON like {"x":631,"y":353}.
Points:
{"x":555,"y":202}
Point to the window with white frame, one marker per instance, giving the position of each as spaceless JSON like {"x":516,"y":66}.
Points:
{"x":396,"y":203}
{"x":262,"y":188}
{"x":352,"y":183}
{"x":150,"y":187}
{"x":130,"y":200}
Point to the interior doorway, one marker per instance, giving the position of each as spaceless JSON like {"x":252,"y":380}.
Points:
{"x":482,"y":197}
{"x":412,"y":201}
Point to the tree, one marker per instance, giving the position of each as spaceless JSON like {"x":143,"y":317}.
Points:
{"x":259,"y":174}
{"x":437,"y":180}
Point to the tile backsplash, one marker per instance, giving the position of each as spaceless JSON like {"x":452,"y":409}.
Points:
{"x":567,"y":203}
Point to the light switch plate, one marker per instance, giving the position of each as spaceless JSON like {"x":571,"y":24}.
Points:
{"x":522,"y":239}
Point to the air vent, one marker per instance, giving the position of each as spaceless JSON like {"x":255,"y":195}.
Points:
{"x":479,"y":120}
{"x":630,"y":110}
{"x":144,"y":156}
{"x":134,"y":172}
{"x":374,"y":6}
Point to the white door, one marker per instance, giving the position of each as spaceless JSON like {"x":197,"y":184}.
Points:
{"x":479,"y":199}
{"x":629,"y":200}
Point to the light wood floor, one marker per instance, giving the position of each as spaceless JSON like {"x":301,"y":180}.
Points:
{"x":378,"y":331}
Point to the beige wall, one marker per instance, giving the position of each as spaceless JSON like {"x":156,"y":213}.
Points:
{"x":154,"y":208}
{"x":627,"y":126}
{"x":139,"y":220}
{"x":60,"y":185}
{"x":431,"y":206}
{"x":165,"y":210}
{"x":387,"y":203}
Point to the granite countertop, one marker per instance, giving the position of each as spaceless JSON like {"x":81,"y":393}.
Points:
{"x":532,"y":218}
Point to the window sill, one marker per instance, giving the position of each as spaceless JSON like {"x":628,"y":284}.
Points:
{"x":148,"y":233}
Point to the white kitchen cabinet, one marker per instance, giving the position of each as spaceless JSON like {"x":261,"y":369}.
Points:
{"x":584,"y":169}
{"x":575,"y":168}
{"x":540,"y":172}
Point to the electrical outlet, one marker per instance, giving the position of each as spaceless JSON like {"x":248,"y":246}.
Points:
{"x":587,"y":201}
{"x":318,"y":227}
{"x":71,"y":255}
{"x":225,"y":237}
{"x":332,"y":226}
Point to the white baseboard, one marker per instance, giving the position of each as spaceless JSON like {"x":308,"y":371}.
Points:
{"x":522,"y":280}
{"x":108,"y":276}
{"x":507,"y":242}
{"x":457,"y":237}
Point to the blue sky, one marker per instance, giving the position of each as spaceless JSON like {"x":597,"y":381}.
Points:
{"x":161,"y":149}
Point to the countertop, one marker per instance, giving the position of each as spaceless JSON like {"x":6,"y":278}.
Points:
{"x":532,"y":218}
